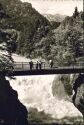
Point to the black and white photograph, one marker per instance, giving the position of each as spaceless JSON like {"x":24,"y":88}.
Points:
{"x":41,"y":62}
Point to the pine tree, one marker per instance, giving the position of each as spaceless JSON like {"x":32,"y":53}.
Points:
{"x":76,"y":13}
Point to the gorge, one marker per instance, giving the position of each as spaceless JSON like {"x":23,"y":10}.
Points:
{"x":47,"y":98}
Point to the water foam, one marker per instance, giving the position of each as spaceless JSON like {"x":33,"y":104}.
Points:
{"x":36,"y":92}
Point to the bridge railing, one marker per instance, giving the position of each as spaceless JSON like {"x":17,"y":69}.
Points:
{"x":26,"y":65}
{"x":45,"y":65}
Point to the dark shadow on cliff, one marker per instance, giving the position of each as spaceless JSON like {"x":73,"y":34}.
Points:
{"x":78,"y":97}
{"x":12,"y":111}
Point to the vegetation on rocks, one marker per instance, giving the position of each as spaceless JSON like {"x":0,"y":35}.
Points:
{"x":8,"y":40}
{"x":41,"y":118}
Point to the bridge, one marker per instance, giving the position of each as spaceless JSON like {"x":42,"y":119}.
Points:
{"x":23,"y":68}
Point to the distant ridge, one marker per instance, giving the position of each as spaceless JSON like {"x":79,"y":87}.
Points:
{"x":56,"y":17}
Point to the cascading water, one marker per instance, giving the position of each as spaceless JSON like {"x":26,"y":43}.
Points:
{"x":36,"y":92}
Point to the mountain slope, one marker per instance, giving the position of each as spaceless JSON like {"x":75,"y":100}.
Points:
{"x":66,"y":43}
{"x":69,"y":37}
{"x":36,"y":37}
{"x":27,"y":21}
{"x":55,"y":20}
{"x":56,"y":17}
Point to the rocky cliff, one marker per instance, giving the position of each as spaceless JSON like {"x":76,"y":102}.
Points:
{"x":12,"y":111}
{"x":78,"y":97}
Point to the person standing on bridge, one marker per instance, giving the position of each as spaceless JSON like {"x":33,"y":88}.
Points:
{"x":37,"y":65}
{"x":31,"y":65}
{"x":51,"y":63}
{"x":40,"y":65}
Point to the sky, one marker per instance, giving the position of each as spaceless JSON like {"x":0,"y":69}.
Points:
{"x":63,"y":7}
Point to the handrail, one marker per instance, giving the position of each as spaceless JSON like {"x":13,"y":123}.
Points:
{"x":23,"y":68}
{"x":44,"y":65}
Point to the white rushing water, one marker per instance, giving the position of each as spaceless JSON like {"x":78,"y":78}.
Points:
{"x":36,"y":92}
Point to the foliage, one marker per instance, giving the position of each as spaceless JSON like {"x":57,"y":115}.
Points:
{"x":31,"y":25}
{"x":55,"y":24}
{"x":36,"y":37}
{"x":67,"y":41}
{"x":43,"y":48}
{"x":7,"y":46}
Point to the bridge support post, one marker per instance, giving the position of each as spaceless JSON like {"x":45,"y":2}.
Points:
{"x":22,"y":66}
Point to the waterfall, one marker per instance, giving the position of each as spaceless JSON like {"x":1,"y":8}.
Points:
{"x":36,"y":92}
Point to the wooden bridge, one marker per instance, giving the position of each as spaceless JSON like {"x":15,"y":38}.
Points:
{"x":23,"y":68}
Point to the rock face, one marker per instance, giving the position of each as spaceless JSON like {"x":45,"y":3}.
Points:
{"x":12,"y":111}
{"x":58,"y":89}
{"x":78,"y":97}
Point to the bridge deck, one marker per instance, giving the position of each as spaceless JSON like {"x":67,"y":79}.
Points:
{"x":22,"y":69}
{"x":48,"y":71}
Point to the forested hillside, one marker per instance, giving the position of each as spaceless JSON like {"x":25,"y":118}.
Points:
{"x":66,"y":43}
{"x":36,"y":37}
{"x":30,"y":25}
